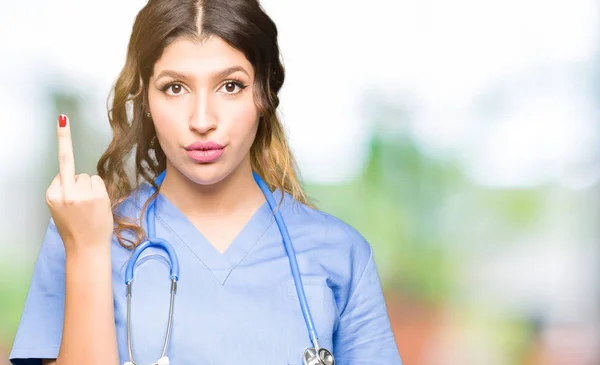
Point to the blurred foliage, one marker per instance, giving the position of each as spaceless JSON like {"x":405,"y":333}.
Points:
{"x":418,"y":212}
{"x":14,"y":289}
{"x":395,"y":205}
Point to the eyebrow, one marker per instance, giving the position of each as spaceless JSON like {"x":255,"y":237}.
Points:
{"x":217,"y":75}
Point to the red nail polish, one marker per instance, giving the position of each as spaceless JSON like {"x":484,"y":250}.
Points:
{"x":62,"y":120}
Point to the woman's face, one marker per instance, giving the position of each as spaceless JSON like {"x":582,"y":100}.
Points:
{"x":202,"y":105}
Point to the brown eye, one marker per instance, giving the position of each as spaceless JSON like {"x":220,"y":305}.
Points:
{"x":176,"y":89}
{"x":230,"y":87}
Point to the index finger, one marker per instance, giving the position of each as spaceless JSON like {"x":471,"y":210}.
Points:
{"x":66,"y":160}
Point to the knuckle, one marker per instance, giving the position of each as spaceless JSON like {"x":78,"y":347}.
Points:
{"x":52,"y":190}
{"x":85,"y":195}
{"x":98,"y":179}
{"x":98,"y":198}
{"x":63,"y":158}
{"x":70,"y":201}
{"x":52,"y":197}
{"x":98,"y":186}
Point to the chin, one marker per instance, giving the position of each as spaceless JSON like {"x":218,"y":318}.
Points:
{"x":206,"y":174}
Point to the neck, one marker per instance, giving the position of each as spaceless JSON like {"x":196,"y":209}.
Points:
{"x":235,"y":193}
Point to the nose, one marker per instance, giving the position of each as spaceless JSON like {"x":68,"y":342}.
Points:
{"x":203,"y":117}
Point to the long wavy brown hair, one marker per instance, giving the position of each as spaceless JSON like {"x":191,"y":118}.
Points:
{"x":244,"y":25}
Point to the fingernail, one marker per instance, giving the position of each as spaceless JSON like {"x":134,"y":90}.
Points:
{"x":62,"y":120}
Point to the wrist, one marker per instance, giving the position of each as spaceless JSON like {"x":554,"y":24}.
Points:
{"x":88,"y":250}
{"x":92,"y":265}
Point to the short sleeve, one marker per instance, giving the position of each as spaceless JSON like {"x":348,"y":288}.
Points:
{"x":364,"y":335}
{"x":40,"y":330}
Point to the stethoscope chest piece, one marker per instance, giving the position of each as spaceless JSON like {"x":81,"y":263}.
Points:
{"x":324,"y":357}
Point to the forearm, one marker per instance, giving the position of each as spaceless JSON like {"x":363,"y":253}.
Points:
{"x":89,"y":334}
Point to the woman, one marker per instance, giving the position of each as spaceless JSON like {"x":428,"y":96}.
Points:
{"x":197,"y":100}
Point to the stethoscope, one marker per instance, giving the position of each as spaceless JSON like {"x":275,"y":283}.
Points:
{"x":312,"y":356}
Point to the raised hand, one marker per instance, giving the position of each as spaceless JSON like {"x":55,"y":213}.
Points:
{"x":79,"y":204}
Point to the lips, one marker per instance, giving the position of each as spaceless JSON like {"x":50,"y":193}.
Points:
{"x":204,"y":152}
{"x":204,"y":146}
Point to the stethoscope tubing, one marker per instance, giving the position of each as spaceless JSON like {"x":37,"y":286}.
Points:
{"x":291,"y":254}
{"x":160,"y":243}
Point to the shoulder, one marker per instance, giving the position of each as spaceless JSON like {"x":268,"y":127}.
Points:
{"x":332,"y":232}
{"x":331,"y":248}
{"x":132,"y":205}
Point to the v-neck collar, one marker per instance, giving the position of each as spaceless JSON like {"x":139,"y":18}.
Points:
{"x":220,"y":264}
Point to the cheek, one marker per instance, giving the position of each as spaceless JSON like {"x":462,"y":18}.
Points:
{"x":166,"y":118}
{"x":241,"y":122}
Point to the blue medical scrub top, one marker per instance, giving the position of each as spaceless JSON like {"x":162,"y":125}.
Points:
{"x":239,"y":307}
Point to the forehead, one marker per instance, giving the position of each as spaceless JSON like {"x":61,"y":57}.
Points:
{"x":200,"y":58}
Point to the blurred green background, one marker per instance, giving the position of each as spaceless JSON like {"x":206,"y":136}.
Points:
{"x":466,"y":152}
